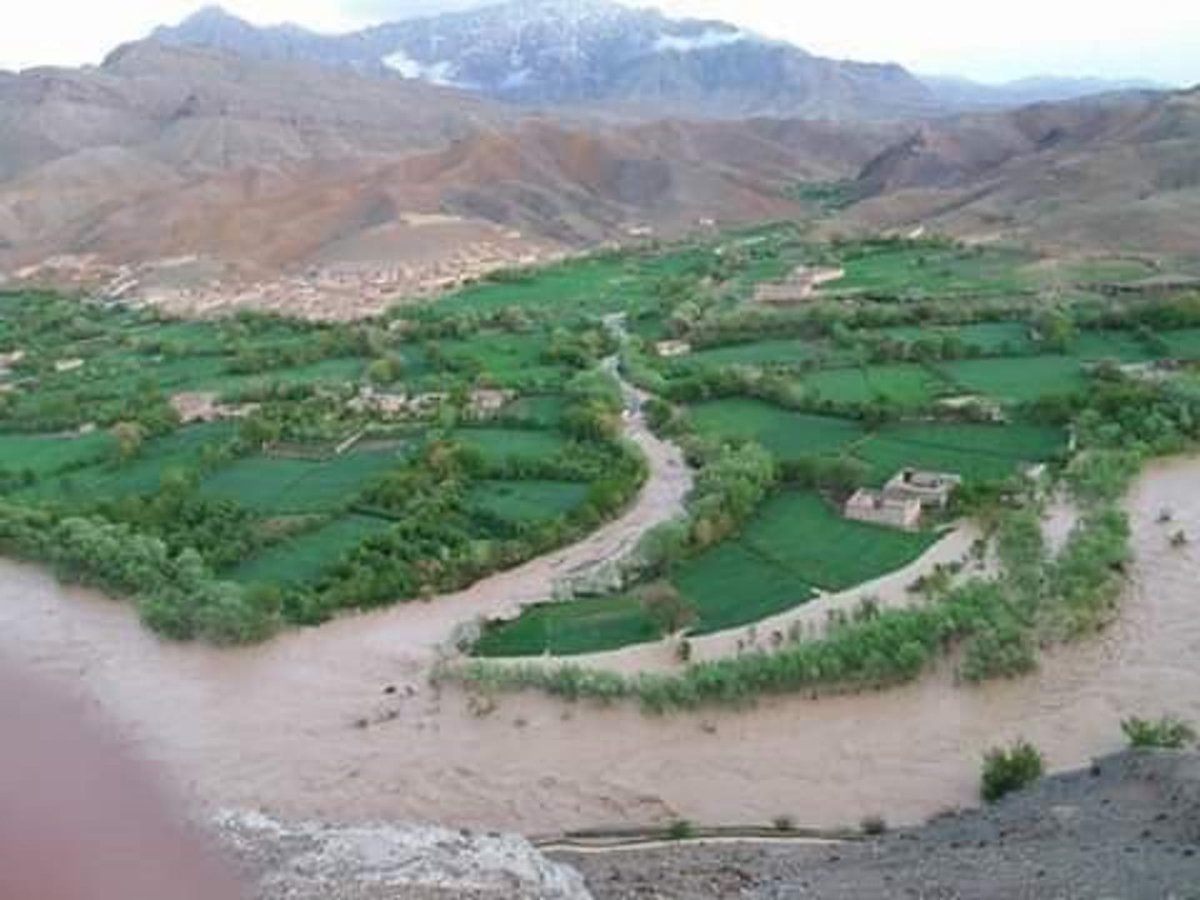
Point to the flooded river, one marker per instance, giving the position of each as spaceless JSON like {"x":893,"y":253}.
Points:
{"x":339,"y":723}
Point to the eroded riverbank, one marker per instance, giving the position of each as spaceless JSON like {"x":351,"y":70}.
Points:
{"x":339,"y":722}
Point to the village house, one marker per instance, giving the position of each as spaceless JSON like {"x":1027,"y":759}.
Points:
{"x":202,"y":406}
{"x":68,"y":365}
{"x":984,"y":408}
{"x":881,"y":508}
{"x":667,"y":349}
{"x":486,"y":402}
{"x":800,"y":286}
{"x":931,"y":489}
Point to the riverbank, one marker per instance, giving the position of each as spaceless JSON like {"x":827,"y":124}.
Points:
{"x":339,"y":722}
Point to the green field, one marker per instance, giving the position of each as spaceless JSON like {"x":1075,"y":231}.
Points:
{"x":1122,"y":346}
{"x":923,"y":270}
{"x":986,"y":337}
{"x":976,"y":452}
{"x":524,"y":502}
{"x":1017,"y":380}
{"x":903,"y":384}
{"x":785,"y":433}
{"x":273,"y":485}
{"x":1183,"y":343}
{"x":302,"y":559}
{"x":794,"y":545}
{"x":500,"y":444}
{"x":782,"y":352}
{"x":537,"y":410}
{"x":47,"y":454}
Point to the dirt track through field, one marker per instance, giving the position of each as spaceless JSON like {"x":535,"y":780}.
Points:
{"x":338,"y":722}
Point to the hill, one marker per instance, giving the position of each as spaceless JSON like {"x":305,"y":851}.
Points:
{"x":1119,"y":172}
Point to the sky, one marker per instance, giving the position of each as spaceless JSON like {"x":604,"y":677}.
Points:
{"x":1153,"y":39}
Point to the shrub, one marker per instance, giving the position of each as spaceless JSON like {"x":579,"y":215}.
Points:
{"x":1167,"y":732}
{"x":681,"y":830}
{"x":1008,"y":770}
{"x":874,"y":825}
{"x":784,"y":823}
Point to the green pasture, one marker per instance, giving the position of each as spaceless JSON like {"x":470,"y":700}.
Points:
{"x":44,"y":454}
{"x":919,"y":269}
{"x":986,"y":337}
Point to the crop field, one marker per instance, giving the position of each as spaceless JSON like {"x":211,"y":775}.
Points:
{"x":566,"y":629}
{"x":904,"y":384}
{"x":537,"y":410}
{"x":587,"y":286}
{"x":273,"y":485}
{"x":921,"y":270}
{"x":524,"y":502}
{"x":1017,"y":379}
{"x":785,"y":433}
{"x":793,"y":547}
{"x":976,"y":452}
{"x":986,"y":337}
{"x":783,"y":352}
{"x":301,"y":559}
{"x":500,"y":444}
{"x":46,"y":454}
{"x":509,"y":360}
{"x":1121,"y":346}
{"x":1183,"y":343}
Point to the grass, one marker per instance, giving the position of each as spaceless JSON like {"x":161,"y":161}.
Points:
{"x":903,"y":384}
{"x":1017,"y":380}
{"x":500,"y":444}
{"x":570,"y":628}
{"x":785,"y":433}
{"x":270,"y":485}
{"x":509,"y":360}
{"x":303,"y":558}
{"x":529,"y":501}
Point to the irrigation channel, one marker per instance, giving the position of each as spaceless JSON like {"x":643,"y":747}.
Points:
{"x":340,"y":722}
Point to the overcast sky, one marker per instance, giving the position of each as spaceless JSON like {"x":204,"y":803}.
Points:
{"x":1157,"y":39}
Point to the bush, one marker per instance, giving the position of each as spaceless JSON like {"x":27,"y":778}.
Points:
{"x":681,"y":830}
{"x":1008,"y":770}
{"x":1167,"y":733}
{"x":784,"y":823}
{"x":874,"y":825}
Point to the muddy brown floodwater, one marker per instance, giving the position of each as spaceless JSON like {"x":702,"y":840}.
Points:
{"x":281,"y":726}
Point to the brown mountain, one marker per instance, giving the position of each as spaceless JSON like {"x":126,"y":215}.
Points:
{"x":1116,"y":172}
{"x":165,"y":152}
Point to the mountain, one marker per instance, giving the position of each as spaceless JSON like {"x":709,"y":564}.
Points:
{"x":269,"y":169}
{"x":1117,"y":172}
{"x":963,"y":94}
{"x":594,"y":54}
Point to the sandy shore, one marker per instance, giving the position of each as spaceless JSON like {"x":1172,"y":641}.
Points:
{"x":306,"y":725}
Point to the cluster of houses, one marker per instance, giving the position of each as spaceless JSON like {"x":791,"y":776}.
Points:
{"x":902,"y":501}
{"x":798,"y":287}
{"x":482,"y":403}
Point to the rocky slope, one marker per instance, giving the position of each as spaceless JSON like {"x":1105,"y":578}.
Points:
{"x":1129,"y":828}
{"x":1120,"y":172}
{"x":587,"y":53}
{"x":320,"y":862}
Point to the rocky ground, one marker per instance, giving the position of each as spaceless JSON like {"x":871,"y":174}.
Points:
{"x":1127,"y":828}
{"x":317,"y":862}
